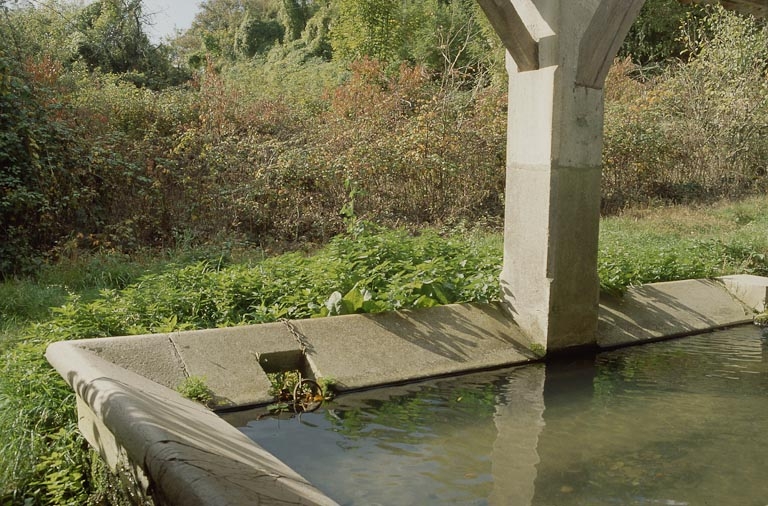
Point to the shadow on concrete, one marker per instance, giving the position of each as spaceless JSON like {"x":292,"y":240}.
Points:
{"x":453,"y":332}
{"x":191,"y":456}
{"x":666,"y":310}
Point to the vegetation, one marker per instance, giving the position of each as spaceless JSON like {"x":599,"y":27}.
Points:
{"x":196,"y":388}
{"x":267,"y":120}
{"x":697,"y":131}
{"x":367,"y":269}
{"x":665,"y":244}
{"x":149,"y":187}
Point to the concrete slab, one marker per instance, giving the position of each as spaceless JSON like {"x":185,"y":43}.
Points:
{"x":360,"y":351}
{"x":152,"y":356}
{"x":187,"y":454}
{"x":664,"y":310}
{"x":749,"y":289}
{"x":229,"y":359}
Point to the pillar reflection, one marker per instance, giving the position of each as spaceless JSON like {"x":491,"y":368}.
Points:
{"x":519,"y":419}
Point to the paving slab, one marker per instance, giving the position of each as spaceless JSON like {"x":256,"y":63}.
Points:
{"x":152,"y":356}
{"x":231,"y":359}
{"x":359,"y":351}
{"x":749,"y":289}
{"x":665,"y":310}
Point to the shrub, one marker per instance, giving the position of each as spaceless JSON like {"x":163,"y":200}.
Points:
{"x":696,"y":132}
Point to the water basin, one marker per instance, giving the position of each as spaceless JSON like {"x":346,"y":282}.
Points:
{"x":679,"y":422}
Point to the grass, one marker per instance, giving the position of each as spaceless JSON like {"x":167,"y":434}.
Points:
{"x":671,"y":243}
{"x":43,"y":460}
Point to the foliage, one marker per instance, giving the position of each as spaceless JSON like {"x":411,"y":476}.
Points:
{"x":395,"y":270}
{"x":196,"y":388}
{"x":294,"y":15}
{"x":256,"y":36}
{"x":669,"y":244}
{"x":65,"y":163}
{"x":33,"y":144}
{"x":366,"y":269}
{"x":43,"y":458}
{"x":653,"y":38}
{"x":266,"y":149}
{"x":451,"y":38}
{"x":696,"y":132}
{"x":721,"y":99}
{"x":373,"y":28}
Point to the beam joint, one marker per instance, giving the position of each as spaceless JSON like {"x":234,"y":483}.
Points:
{"x":515,"y":36}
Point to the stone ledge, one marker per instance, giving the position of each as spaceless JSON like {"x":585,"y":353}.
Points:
{"x":665,"y":310}
{"x":749,"y":289}
{"x":188,"y":454}
{"x":185,"y":454}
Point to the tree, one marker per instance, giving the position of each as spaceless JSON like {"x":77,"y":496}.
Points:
{"x":294,"y":15}
{"x":653,"y":38}
{"x":256,"y":35}
{"x":229,"y":29}
{"x":368,"y":28}
{"x":111,"y":36}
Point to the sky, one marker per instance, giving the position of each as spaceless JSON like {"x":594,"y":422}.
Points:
{"x":169,"y":15}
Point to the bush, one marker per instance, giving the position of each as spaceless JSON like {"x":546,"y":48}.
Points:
{"x":696,"y":132}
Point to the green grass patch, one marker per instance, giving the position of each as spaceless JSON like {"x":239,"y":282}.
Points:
{"x":673,"y":243}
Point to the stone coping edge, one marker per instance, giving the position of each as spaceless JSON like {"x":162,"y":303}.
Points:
{"x":182,"y":452}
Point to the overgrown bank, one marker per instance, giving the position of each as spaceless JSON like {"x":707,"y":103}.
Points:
{"x":367,"y":269}
{"x":100,"y":165}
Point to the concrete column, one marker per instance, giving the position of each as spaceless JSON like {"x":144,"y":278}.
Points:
{"x":554,"y":144}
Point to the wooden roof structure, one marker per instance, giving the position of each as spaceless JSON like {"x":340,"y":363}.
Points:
{"x":758,"y":8}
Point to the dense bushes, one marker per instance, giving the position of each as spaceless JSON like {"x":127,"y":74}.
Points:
{"x":143,"y":167}
{"x":281,"y":146}
{"x":696,"y":132}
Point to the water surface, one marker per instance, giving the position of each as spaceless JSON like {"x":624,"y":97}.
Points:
{"x":682,"y":422}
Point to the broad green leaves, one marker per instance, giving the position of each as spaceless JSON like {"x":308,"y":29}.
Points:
{"x":370,"y":271}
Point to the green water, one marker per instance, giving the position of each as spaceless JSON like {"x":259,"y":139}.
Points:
{"x":682,"y":422}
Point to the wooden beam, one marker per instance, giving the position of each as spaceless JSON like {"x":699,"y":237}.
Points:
{"x":513,"y":33}
{"x":603,"y":38}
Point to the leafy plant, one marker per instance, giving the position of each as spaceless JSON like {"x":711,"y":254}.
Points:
{"x":196,"y":388}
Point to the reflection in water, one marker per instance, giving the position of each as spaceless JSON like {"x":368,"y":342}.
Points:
{"x":519,"y":420}
{"x":673,"y":423}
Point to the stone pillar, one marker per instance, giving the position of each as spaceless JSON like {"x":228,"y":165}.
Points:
{"x":554,"y":144}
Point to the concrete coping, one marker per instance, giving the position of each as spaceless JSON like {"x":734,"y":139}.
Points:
{"x":175,"y":450}
{"x":179,"y":452}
